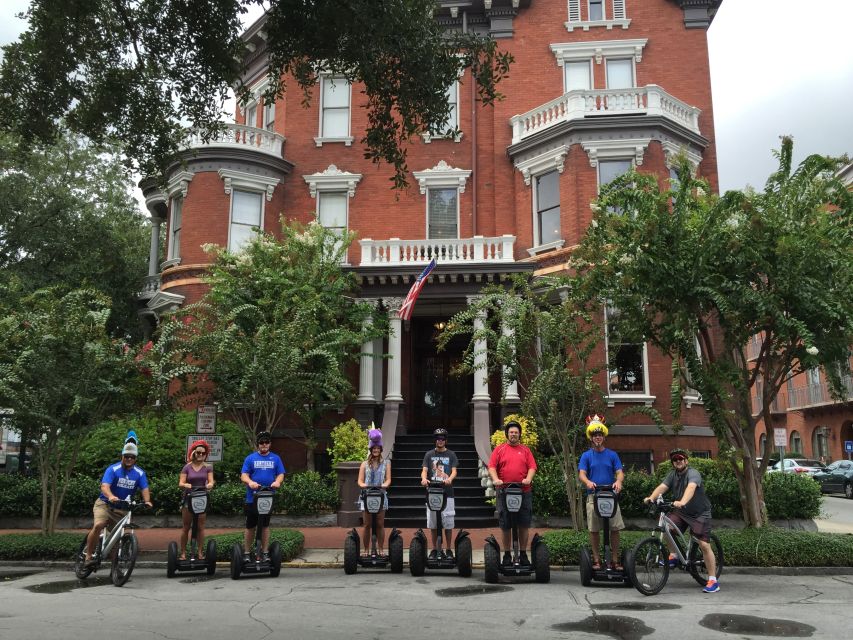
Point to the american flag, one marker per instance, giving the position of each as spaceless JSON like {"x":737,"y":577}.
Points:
{"x":409,"y":303}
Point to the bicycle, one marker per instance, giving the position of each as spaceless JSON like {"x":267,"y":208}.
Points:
{"x":127,"y":547}
{"x":648,"y":562}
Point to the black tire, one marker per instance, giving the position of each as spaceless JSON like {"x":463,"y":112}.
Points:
{"x":585,"y":566}
{"x":80,"y":570}
{"x":848,"y":490}
{"x":236,"y":561}
{"x":696,"y":561}
{"x":210,"y":555}
{"x":172,"y":559}
{"x":623,"y":559}
{"x":275,"y":559}
{"x":350,"y":555}
{"x":464,"y":555}
{"x":395,"y":553}
{"x":649,"y":568}
{"x":491,"y":560}
{"x":542,"y":563}
{"x":417,"y":557}
{"x":124,"y":559}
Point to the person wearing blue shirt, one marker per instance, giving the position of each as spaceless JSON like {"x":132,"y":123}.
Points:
{"x":261,"y":468}
{"x":121,"y":480}
{"x":601,"y":466}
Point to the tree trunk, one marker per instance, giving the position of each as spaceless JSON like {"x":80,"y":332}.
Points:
{"x":310,"y":445}
{"x":751,"y":493}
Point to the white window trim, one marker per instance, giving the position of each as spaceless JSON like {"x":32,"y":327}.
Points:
{"x":552,"y":159}
{"x":345,"y":258}
{"x":671,"y":150}
{"x":177,"y":187}
{"x":571,"y":25}
{"x":633,"y":71}
{"x":599,"y":49}
{"x":173,"y":256}
{"x":589,"y":71}
{"x":249,"y":181}
{"x":442,"y":175}
{"x":538,"y":247}
{"x":332,"y":179}
{"x":426,"y":214}
{"x":613,"y":397}
{"x":691,"y":395}
{"x":429,"y":137}
{"x":231,"y":210}
{"x":633,"y":148}
{"x":320,"y":140}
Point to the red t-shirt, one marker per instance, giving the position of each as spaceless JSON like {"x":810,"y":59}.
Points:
{"x":512,"y":463}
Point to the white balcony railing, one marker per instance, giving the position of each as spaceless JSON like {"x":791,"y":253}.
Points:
{"x":478,"y":249}
{"x":812,"y":395}
{"x":238,"y":136}
{"x":581,"y":103}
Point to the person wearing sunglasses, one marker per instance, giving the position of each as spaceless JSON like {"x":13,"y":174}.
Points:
{"x":440,"y":465}
{"x":692,"y":509}
{"x":120,"y":481}
{"x":263,"y":468}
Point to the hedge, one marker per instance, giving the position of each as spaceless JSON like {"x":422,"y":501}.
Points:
{"x":303,"y":493}
{"x":761,"y":547}
{"x":63,"y":546}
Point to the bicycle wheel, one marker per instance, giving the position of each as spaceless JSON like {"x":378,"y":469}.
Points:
{"x":696,"y":561}
{"x":648,"y":566}
{"x":124,"y":559}
{"x":80,"y":568}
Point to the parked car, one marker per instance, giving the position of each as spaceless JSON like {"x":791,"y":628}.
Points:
{"x":837,"y":478}
{"x":799,"y":465}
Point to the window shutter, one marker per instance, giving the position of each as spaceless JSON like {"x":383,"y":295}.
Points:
{"x":618,"y":9}
{"x":574,"y":10}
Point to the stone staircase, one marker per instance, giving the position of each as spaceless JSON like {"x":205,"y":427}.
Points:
{"x":406,"y":495}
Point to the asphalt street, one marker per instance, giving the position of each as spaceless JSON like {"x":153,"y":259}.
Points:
{"x":50,"y":604}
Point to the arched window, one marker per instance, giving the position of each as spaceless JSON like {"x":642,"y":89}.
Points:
{"x":820,"y":444}
{"x":796,"y":443}
{"x":762,"y":445}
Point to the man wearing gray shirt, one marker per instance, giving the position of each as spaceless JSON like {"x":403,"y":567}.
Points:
{"x":439,"y":465}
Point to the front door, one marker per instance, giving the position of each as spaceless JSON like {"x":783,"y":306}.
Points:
{"x":440,"y":398}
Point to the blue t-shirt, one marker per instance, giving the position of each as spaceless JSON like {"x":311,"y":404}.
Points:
{"x":600,"y":466}
{"x":123,"y":483}
{"x":261,"y":469}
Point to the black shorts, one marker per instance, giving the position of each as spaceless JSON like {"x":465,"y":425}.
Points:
{"x":700,"y":528}
{"x":252,"y":516}
{"x":524,"y":516}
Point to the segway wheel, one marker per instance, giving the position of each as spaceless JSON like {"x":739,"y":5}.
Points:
{"x":585,"y":567}
{"x":395,"y":552}
{"x":80,"y":568}
{"x":210,"y":555}
{"x":417,"y":557}
{"x":236,"y":561}
{"x":350,"y":555}
{"x":491,"y":561}
{"x":624,"y":557}
{"x":542,"y":563}
{"x":463,"y":557}
{"x":275,"y":559}
{"x":172,"y":559}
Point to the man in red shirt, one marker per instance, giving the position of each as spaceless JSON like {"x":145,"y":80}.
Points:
{"x":513,"y":462}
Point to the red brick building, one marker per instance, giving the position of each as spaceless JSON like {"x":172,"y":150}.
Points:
{"x":597,"y":86}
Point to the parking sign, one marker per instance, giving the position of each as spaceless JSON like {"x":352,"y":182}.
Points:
{"x":780,"y":436}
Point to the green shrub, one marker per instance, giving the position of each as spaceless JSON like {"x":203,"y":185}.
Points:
{"x":34,"y":546}
{"x":20,"y":497}
{"x":306,"y":493}
{"x":637,"y":485}
{"x":549,"y":489}
{"x":791,"y":495}
{"x":292,"y":543}
{"x":349,"y":443}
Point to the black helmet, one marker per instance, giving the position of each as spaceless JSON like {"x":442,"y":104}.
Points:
{"x":511,"y":423}
{"x":675,"y":453}
{"x":439,"y":433}
{"x":263,"y":436}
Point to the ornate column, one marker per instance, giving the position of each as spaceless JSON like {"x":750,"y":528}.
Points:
{"x":480,"y":401}
{"x":395,"y":350}
{"x":154,"y":253}
{"x":481,"y":373}
{"x":511,"y":395}
{"x":365,"y":381}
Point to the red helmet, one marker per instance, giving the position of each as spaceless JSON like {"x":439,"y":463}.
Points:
{"x":194,"y":445}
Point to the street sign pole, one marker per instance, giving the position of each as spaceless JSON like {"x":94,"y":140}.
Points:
{"x":780,"y":439}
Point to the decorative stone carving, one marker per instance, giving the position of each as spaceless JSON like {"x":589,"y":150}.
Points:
{"x":332,"y":179}
{"x":442,"y":175}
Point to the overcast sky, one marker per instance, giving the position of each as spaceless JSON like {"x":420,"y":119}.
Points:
{"x":777,"y":67}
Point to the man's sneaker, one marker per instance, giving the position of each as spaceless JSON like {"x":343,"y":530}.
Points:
{"x":247,"y":557}
{"x":448,"y":554}
{"x":507,"y":558}
{"x":673,"y":561}
{"x":433,"y":555}
{"x":712,"y":587}
{"x":265,"y":556}
{"x":524,"y":559}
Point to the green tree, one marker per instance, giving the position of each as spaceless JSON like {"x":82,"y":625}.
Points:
{"x":275,"y":334}
{"x":700,"y":276}
{"x":61,"y":374}
{"x":140,"y":69}
{"x":542,"y":335}
{"x":68,"y":220}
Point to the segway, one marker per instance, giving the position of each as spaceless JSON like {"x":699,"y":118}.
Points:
{"x":256,"y":563}
{"x":418,"y":560}
{"x":511,"y":494}
{"x":605,"y":501}
{"x":373,"y":498}
{"x":197,"y":504}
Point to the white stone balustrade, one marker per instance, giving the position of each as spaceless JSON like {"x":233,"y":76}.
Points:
{"x":650,"y":100}
{"x":479,"y":249}
{"x":239,"y":136}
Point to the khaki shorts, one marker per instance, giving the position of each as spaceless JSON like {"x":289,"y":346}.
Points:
{"x":103,"y":514}
{"x":595,"y":524}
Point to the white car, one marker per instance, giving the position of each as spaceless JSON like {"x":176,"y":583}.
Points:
{"x":799,"y":465}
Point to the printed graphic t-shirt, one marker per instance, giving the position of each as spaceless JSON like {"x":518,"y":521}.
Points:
{"x":123,"y":483}
{"x":261,"y":469}
{"x":439,"y":466}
